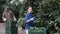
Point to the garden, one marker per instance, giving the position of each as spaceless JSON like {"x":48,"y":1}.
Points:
{"x":46,"y":12}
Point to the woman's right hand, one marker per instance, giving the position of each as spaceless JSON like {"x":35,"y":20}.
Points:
{"x":4,"y":19}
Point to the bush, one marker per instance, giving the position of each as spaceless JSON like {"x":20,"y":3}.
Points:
{"x":36,"y":30}
{"x":46,"y":12}
{"x":1,"y":8}
{"x":20,"y":23}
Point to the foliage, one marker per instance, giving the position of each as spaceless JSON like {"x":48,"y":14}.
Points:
{"x":45,"y":11}
{"x":1,"y":8}
{"x":15,"y":7}
{"x":36,"y":29}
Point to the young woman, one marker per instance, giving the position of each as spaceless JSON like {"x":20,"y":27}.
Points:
{"x":29,"y":19}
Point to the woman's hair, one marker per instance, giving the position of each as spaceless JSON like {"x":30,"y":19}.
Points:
{"x":7,"y":7}
{"x":29,"y":6}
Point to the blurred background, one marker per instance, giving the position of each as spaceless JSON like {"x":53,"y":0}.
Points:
{"x":46,"y":12}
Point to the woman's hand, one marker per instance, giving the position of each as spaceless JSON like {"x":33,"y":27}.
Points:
{"x":4,"y":19}
{"x":28,"y":20}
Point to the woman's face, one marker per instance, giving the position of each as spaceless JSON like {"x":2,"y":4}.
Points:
{"x":6,"y":9}
{"x":30,"y":10}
